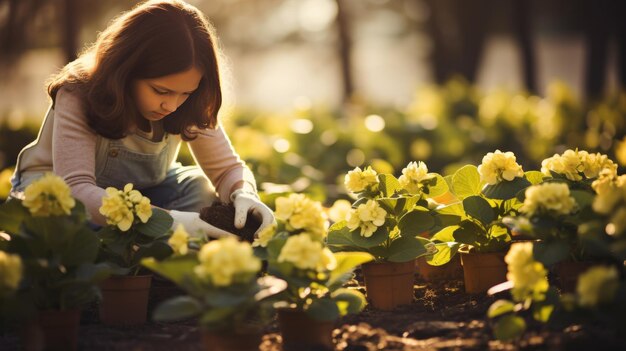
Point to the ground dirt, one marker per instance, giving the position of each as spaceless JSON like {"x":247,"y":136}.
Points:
{"x":442,"y":317}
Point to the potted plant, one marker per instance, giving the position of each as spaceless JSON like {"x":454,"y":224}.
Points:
{"x":49,"y":232}
{"x":488,"y":193}
{"x":388,"y":220}
{"x":134,"y":230}
{"x":554,"y":210}
{"x":222,"y":289}
{"x":314,"y":298}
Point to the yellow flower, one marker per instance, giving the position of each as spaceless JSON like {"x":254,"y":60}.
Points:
{"x":498,"y":166}
{"x":302,"y":213}
{"x":265,"y":235}
{"x":339,"y":210}
{"x":527,"y":275}
{"x":620,"y":152}
{"x":368,"y":216}
{"x":10,"y":272}
{"x":303,"y":252}
{"x":121,"y":207}
{"x":567,"y":164}
{"x":548,"y":198}
{"x":597,"y":286}
{"x":412,"y":176}
{"x":115,"y":209}
{"x":178,"y":241}
{"x":227,"y":261}
{"x":593,"y":164}
{"x":5,"y":182}
{"x":358,"y":180}
{"x":48,"y":196}
{"x":327,"y":262}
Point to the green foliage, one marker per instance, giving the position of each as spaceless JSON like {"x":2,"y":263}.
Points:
{"x":58,"y":255}
{"x":239,"y":306}
{"x":123,"y":251}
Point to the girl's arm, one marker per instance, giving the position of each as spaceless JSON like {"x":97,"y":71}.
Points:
{"x":74,"y":152}
{"x":214,"y":153}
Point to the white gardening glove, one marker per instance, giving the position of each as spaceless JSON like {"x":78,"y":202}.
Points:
{"x":245,"y":202}
{"x":196,"y":226}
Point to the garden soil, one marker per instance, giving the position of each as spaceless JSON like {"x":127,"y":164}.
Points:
{"x":442,"y":317}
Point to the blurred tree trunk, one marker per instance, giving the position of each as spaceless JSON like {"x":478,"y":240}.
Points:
{"x":70,"y":29}
{"x":345,"y":50}
{"x":458,"y":29}
{"x":522,"y":32}
{"x":604,"y":21}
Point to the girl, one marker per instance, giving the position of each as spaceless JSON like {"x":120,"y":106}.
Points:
{"x":120,"y":111}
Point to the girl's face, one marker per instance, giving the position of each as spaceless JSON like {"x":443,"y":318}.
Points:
{"x":158,"y":97}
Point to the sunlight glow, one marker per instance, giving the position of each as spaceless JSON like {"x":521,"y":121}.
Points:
{"x":374,"y":123}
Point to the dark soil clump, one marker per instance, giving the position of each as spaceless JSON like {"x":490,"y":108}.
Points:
{"x":223,"y":216}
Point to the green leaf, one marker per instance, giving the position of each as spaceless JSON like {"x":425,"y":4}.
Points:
{"x":388,"y":184}
{"x":478,"y":208}
{"x":534,"y":177}
{"x":323,"y":310}
{"x":177,"y":308}
{"x":405,"y":248}
{"x":159,"y":223}
{"x":445,"y":252}
{"x":440,"y":187}
{"x":550,"y":252}
{"x":583,"y":198}
{"x":158,"y":249}
{"x":175,"y":268}
{"x":455,"y":209}
{"x":12,"y":214}
{"x":500,"y":308}
{"x":216,"y":315}
{"x":506,"y":189}
{"x":542,"y":312}
{"x":445,"y":235}
{"x":346,"y":263}
{"x":416,"y":222}
{"x":83,"y":248}
{"x":355,"y":301}
{"x":509,"y":327}
{"x":466,"y":182}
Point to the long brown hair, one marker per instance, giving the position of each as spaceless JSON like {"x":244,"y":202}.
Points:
{"x":154,"y":39}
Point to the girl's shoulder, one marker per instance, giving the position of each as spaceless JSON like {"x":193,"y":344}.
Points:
{"x":69,"y":102}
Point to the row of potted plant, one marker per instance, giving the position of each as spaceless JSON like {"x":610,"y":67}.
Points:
{"x":53,"y":262}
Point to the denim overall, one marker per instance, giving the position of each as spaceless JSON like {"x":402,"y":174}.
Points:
{"x":166,"y":183}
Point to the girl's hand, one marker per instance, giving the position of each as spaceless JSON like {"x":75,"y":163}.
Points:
{"x":196,"y":226}
{"x":245,"y":202}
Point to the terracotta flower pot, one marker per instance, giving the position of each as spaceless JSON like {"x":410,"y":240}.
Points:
{"x":125,"y":300}
{"x":229,"y":341}
{"x":449,"y":271}
{"x":481,"y":271}
{"x":568,"y":272}
{"x":301,"y":332}
{"x":389,"y":284}
{"x":52,"y":330}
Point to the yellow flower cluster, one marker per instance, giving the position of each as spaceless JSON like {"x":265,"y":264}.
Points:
{"x":368,"y":216}
{"x":498,"y":166}
{"x":227,"y":261}
{"x":597,"y":286}
{"x":120,"y":207}
{"x":10,"y":272}
{"x":306,"y":253}
{"x":358,"y":180}
{"x":178,"y":241}
{"x":49,"y":196}
{"x":339,"y":210}
{"x":527,"y":275}
{"x":574,"y":164}
{"x":611,"y":200}
{"x":301,"y":213}
{"x":548,"y":198}
{"x":265,"y":235}
{"x":412,"y":176}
